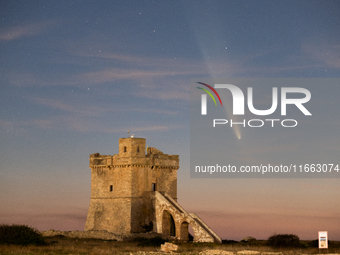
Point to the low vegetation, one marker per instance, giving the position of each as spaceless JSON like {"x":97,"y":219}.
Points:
{"x":65,"y":245}
{"x":155,"y":241}
{"x":284,"y":241}
{"x":20,"y":235}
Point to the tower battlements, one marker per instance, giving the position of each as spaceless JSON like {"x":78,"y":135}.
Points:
{"x":132,"y":152}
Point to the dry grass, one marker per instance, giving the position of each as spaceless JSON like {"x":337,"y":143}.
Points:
{"x":63,"y":245}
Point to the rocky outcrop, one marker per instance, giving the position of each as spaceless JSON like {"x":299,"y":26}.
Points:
{"x":216,"y":252}
{"x":169,"y":247}
{"x":98,"y":234}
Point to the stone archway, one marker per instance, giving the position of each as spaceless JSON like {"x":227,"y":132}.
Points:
{"x":184,"y":231}
{"x":173,"y":220}
{"x":168,"y":224}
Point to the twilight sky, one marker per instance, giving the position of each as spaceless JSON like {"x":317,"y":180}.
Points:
{"x":76,"y":75}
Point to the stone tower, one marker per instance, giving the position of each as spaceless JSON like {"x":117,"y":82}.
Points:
{"x":135,"y":191}
{"x":121,"y":186}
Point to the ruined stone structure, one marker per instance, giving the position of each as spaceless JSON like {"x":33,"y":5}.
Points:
{"x":135,"y":191}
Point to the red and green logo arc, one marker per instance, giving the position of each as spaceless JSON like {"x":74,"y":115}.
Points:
{"x":209,"y":93}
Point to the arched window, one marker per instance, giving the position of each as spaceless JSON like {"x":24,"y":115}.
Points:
{"x":124,"y":148}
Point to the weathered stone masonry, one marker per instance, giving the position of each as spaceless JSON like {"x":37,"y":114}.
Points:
{"x":135,"y":191}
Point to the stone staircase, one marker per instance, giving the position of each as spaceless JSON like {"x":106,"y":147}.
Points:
{"x":202,"y":231}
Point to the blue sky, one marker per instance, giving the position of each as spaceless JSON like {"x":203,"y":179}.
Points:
{"x":76,"y":75}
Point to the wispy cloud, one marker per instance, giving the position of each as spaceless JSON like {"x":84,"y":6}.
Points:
{"x":116,"y":74}
{"x":50,"y":216}
{"x":88,"y":110}
{"x":71,"y":108}
{"x":166,"y":78}
{"x":18,"y":32}
{"x":267,"y":214}
{"x":262,"y":225}
{"x":80,"y":124}
{"x":45,"y":221}
{"x":327,"y":54}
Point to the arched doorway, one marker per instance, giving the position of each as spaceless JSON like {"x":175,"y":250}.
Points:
{"x":168,"y":224}
{"x":184,"y":235}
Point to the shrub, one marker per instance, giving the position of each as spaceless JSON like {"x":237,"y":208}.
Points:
{"x":250,"y":241}
{"x":313,"y":243}
{"x":155,"y":241}
{"x":225,"y":241}
{"x":20,"y":235}
{"x":282,"y":241}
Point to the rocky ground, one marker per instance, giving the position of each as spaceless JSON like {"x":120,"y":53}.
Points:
{"x":103,"y":242}
{"x":97,"y":234}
